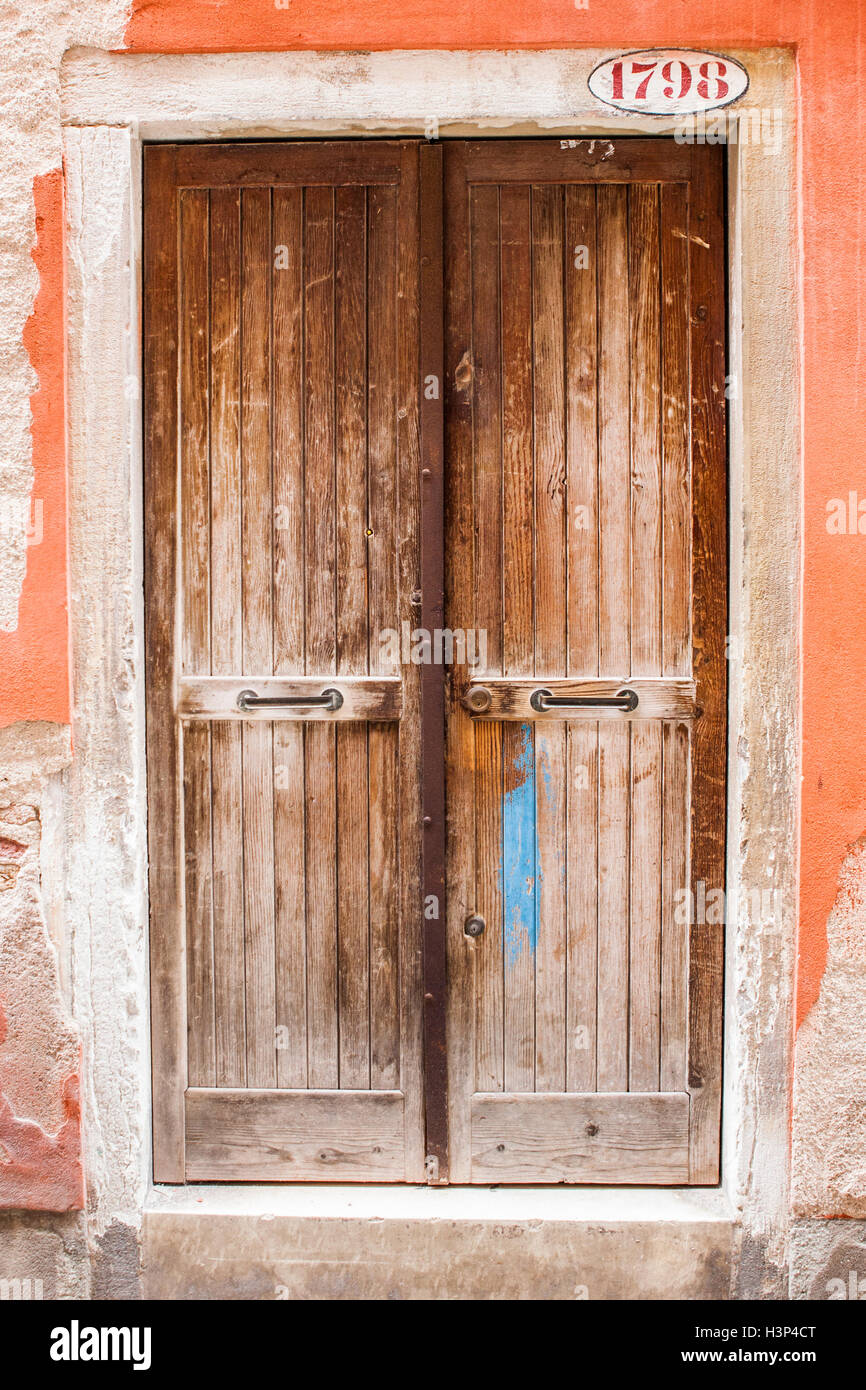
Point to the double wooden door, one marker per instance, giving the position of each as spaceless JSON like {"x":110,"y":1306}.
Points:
{"x":435,"y":594}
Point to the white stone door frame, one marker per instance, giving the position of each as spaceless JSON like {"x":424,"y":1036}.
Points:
{"x":111,"y":103}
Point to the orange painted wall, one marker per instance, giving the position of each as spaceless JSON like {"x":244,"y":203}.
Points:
{"x":34,"y":660}
{"x":830,"y":51}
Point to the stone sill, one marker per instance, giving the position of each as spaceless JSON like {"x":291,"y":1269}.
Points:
{"x":341,"y":1242}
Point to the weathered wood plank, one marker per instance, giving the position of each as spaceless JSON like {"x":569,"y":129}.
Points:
{"x":294,"y":1136}
{"x":489,"y":1036}
{"x":299,"y":163}
{"x":646,"y":635}
{"x":645,"y":907}
{"x":675,"y":918}
{"x":216,"y":697}
{"x":709,"y":626}
{"x":658,"y":698}
{"x":581,"y":329}
{"x":518,"y":590}
{"x":582,"y":897}
{"x":676,"y":469}
{"x":227,"y":636}
{"x":350,"y":375}
{"x":168,"y":989}
{"x":320,"y":654}
{"x":384,"y":614}
{"x":460,"y":735}
{"x":287,"y":430}
{"x":605,"y":162}
{"x":614,"y":852}
{"x":194,"y":321}
{"x":420,"y":424}
{"x":487,"y":419}
{"x":257,"y":598}
{"x":519,"y":902}
{"x":551,"y":627}
{"x":569,"y":1138}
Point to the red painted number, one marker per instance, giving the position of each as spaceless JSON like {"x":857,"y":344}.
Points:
{"x":616,"y":74}
{"x":649,"y":69}
{"x":685,"y":78}
{"x":708,"y":77}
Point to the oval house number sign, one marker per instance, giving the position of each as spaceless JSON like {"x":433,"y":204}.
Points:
{"x":668,"y":81}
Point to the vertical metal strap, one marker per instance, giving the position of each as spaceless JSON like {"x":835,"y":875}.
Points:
{"x":433,"y":674}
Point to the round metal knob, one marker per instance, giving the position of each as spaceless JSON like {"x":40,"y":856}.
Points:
{"x":477,"y":699}
{"x":474,"y":926}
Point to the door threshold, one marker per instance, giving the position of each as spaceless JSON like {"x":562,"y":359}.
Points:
{"x":421,"y":1202}
{"x":400,"y":1242}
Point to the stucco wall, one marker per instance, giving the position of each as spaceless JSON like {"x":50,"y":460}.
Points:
{"x":72,"y":919}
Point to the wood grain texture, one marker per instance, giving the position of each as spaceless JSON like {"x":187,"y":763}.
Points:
{"x":164,"y":810}
{"x":709,"y":625}
{"x":294,"y":475}
{"x":292,"y":317}
{"x":227,"y":634}
{"x":570,"y":531}
{"x":294,"y":1136}
{"x":570,"y":1138}
{"x":658,"y":698}
{"x":257,"y":600}
{"x":378,"y":698}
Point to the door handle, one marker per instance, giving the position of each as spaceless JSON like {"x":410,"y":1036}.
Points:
{"x":329,"y":699}
{"x":542,"y":700}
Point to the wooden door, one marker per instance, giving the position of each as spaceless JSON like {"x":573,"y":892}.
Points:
{"x":282,"y":519}
{"x":311,"y":932}
{"x":586,"y":537}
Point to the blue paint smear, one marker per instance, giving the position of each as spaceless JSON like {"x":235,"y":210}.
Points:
{"x":520,"y":909}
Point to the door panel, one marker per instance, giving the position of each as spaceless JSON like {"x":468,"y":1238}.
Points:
{"x":289,"y":283}
{"x":586,"y":537}
{"x":312,"y":492}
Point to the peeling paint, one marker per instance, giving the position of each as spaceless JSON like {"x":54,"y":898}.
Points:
{"x":518,"y":876}
{"x":39,"y":1171}
{"x":34,"y":656}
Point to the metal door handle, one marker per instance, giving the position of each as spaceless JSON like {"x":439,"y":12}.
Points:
{"x":542,"y":700}
{"x":329,"y":699}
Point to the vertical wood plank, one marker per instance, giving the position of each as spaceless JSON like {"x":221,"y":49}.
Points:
{"x":581,"y":263}
{"x":675,"y":917}
{"x":227,"y":637}
{"x":194,"y":324}
{"x":289,"y":771}
{"x":460,"y":733}
{"x":350,"y":367}
{"x":676,"y":625}
{"x":614,"y":629}
{"x":519,"y":599}
{"x":422,"y":728}
{"x":518,"y":591}
{"x":551,"y":641}
{"x":645,"y":908}
{"x":582,"y":889}
{"x":709,"y":625}
{"x":489,"y":1037}
{"x":195,"y":622}
{"x":488,"y":615}
{"x":382,"y":548}
{"x":257,"y":569}
{"x":614,"y":464}
{"x":487,"y":418}
{"x":519,"y":902}
{"x":646,"y":636}
{"x":581,"y":333}
{"x":320,"y":655}
{"x":676,"y":504}
{"x":168,"y":996}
